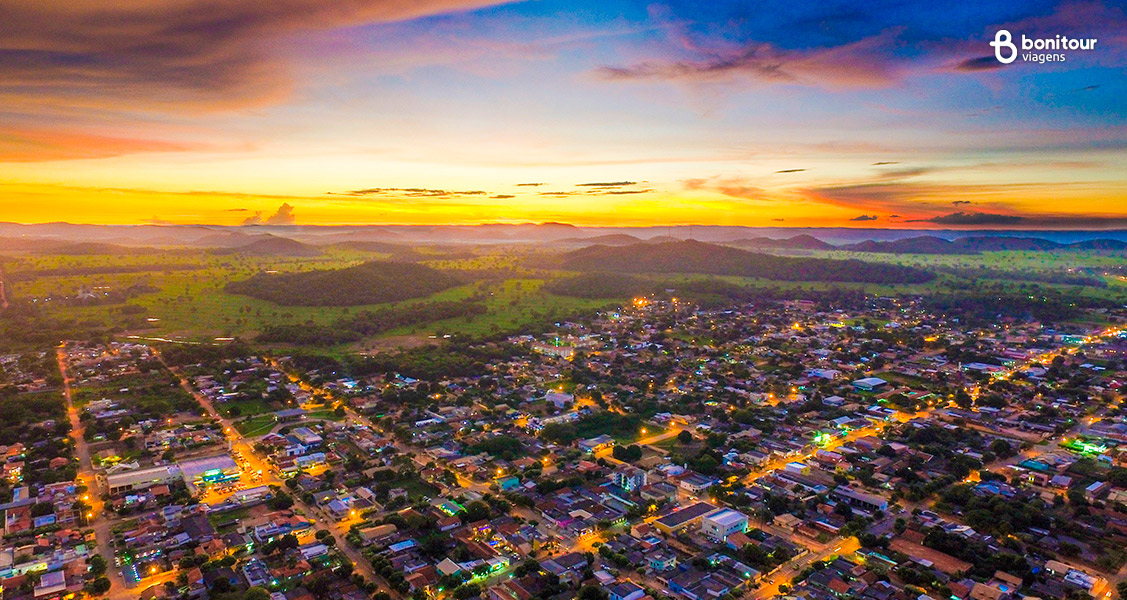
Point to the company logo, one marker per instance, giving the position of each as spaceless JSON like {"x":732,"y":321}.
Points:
{"x":1003,"y":40}
{"x":1006,"y":51}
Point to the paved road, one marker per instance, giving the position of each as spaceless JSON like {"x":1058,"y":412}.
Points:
{"x":271,"y":477}
{"x":102,"y":524}
{"x":769,"y":588}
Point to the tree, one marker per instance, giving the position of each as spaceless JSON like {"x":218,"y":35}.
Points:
{"x":97,"y":565}
{"x":280,"y":501}
{"x":590,"y":592}
{"x":685,"y":437}
{"x":1002,"y":448}
{"x":474,"y":511}
{"x":256,"y":593}
{"x":629,"y":453}
{"x":468,"y":590}
{"x":99,"y":586}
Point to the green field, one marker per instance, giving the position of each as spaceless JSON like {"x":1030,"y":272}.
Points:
{"x":192,"y":305}
{"x":190,"y":302}
{"x":255,"y":426}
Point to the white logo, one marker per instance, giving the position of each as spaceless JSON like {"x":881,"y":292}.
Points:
{"x":1003,"y":39}
{"x":1034,"y":49}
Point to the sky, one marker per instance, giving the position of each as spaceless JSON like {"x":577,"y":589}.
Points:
{"x":767,"y":113}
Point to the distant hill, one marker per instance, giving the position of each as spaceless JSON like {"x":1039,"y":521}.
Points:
{"x":273,"y":246}
{"x":699,"y":257}
{"x":17,"y":244}
{"x":368,"y":283}
{"x":233,"y":239}
{"x":1115,"y":245}
{"x":371,"y":246}
{"x":924,"y":244}
{"x":798,"y":242}
{"x":94,"y":248}
{"x":977,"y":244}
{"x":612,"y":239}
{"x":998,"y":244}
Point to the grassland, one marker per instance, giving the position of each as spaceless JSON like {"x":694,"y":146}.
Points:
{"x":190,"y":303}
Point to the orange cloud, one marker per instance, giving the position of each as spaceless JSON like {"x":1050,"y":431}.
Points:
{"x":169,"y":55}
{"x":31,"y":145}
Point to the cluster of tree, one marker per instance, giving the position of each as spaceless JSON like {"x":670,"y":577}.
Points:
{"x":699,"y":257}
{"x":500,"y":446}
{"x":40,"y":365}
{"x":453,"y":359}
{"x":190,"y":354}
{"x":23,"y":324}
{"x":997,"y":515}
{"x":629,"y":453}
{"x":32,"y":274}
{"x":600,"y":285}
{"x":986,"y":561}
{"x":592,"y":425}
{"x":373,"y":282}
{"x":979,"y":306}
{"x":368,"y":323}
{"x":706,"y":293}
{"x":1055,"y":277}
{"x":148,"y":397}
{"x":19,"y":412}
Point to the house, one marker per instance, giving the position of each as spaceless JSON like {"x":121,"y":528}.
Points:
{"x":869,"y":384}
{"x":290,"y":414}
{"x":1096,"y":490}
{"x":596,"y":444}
{"x":685,"y":518}
{"x":625,"y":590}
{"x":718,"y":525}
{"x":662,"y":560}
{"x":695,"y":483}
{"x":629,"y":478}
{"x":570,"y":564}
{"x":867,"y":502}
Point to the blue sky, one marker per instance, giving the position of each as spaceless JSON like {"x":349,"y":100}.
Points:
{"x":804,"y":113}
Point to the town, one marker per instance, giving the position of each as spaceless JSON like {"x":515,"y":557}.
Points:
{"x":661,"y":450}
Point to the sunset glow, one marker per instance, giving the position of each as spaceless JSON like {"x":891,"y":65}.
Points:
{"x":443,"y":111}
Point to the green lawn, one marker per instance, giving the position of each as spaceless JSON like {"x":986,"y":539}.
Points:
{"x":256,"y":426}
{"x":246,"y":408}
{"x":323,"y":415}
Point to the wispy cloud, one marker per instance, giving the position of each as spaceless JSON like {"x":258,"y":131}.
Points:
{"x":863,"y":63}
{"x":35,"y":145}
{"x":166,"y":56}
{"x":410,"y":192}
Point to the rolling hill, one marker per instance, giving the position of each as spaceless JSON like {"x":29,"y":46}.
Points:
{"x":273,"y":246}
{"x":373,"y":282}
{"x":700,"y":257}
{"x":798,"y":242}
{"x":927,"y":244}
